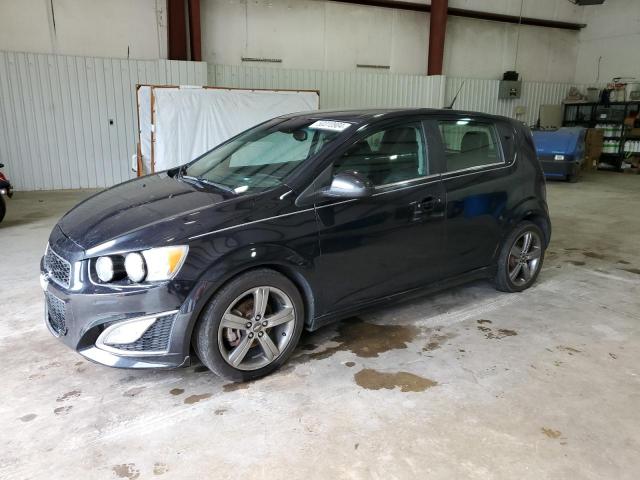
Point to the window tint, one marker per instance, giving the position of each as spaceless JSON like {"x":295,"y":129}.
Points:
{"x":387,"y":156}
{"x":469,"y":144}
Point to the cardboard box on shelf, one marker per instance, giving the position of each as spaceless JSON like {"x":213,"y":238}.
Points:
{"x":594,"y":136}
{"x":630,"y":120}
{"x":593,"y":148}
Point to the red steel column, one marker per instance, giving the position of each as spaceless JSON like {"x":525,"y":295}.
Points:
{"x":176,"y":30}
{"x":437,"y":31}
{"x":194,"y":30}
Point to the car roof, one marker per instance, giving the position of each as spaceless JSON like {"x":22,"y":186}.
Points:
{"x":363,"y":116}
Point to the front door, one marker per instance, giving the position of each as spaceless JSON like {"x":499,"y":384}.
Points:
{"x":391,"y":241}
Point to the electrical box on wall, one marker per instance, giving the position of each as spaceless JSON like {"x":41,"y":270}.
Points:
{"x":509,"y":89}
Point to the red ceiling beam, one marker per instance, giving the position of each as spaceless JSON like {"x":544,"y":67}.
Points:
{"x":437,"y":32}
{"x":463,"y":12}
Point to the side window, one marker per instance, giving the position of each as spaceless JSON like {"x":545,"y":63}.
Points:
{"x":469,"y":144}
{"x":387,"y":156}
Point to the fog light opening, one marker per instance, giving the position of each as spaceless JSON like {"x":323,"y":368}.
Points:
{"x":117,"y":337}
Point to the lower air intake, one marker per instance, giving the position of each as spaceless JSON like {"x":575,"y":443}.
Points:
{"x":155,"y":339}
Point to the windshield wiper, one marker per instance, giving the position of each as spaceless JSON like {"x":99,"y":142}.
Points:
{"x":219,"y":186}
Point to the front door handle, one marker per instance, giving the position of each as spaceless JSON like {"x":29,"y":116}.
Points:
{"x":423,"y":208}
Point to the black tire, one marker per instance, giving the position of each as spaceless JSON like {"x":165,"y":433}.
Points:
{"x":572,"y":178}
{"x":209,"y":339}
{"x":506,"y":263}
{"x":3,"y":208}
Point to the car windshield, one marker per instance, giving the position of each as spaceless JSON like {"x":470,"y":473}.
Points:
{"x":262,"y":157}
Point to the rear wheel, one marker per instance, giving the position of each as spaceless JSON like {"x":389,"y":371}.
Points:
{"x":3,"y":208}
{"x":251,"y":326}
{"x":521,"y":258}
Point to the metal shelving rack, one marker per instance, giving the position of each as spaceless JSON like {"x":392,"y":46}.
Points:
{"x":590,"y":114}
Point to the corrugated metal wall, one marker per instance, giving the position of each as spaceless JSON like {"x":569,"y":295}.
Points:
{"x":338,"y":89}
{"x":70,"y":122}
{"x":482,"y":96}
{"x":361,"y":90}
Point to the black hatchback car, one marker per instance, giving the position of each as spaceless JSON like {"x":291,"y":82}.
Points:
{"x":295,"y":223}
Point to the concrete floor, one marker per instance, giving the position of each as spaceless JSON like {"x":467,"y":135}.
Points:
{"x":471,"y":383}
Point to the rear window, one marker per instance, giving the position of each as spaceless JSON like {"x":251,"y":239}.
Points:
{"x":469,"y":144}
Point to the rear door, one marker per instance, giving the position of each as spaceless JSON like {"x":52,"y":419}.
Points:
{"x":478,"y":159}
{"x":391,"y":241}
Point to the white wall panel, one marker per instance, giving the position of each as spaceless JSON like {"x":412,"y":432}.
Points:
{"x":482,"y":96}
{"x":56,"y":113}
{"x":338,"y":89}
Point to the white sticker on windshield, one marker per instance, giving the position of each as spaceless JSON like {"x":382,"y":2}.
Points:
{"x":330,"y":125}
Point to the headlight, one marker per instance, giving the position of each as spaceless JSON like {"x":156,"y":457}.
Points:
{"x":135,"y":267}
{"x":104,"y":269}
{"x":153,"y":265}
{"x":164,"y":263}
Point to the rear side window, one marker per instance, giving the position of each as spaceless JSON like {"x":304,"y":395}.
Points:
{"x":469,"y":144}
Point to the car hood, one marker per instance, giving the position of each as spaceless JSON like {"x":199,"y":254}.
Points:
{"x":156,"y":209}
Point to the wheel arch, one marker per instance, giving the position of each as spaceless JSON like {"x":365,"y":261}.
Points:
{"x":533,"y":210}
{"x":542,"y":221}
{"x":228,"y":268}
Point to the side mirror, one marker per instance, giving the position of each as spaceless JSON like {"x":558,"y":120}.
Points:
{"x":348,"y":185}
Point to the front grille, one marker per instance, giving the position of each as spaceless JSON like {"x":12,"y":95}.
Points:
{"x":58,"y":268}
{"x":155,"y":339}
{"x":56,"y":314}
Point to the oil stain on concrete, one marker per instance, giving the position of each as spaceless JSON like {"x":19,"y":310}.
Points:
{"x":631,"y":270}
{"x":126,"y":470}
{"x":569,"y":350}
{"x":232,"y":387}
{"x":68,"y":395}
{"x":577,"y":263}
{"x":62,"y":410}
{"x":28,"y":417}
{"x":408,"y":382}
{"x":368,"y":340}
{"x":551,"y":433}
{"x":191,"y":399}
{"x":133,"y":392}
{"x":160,"y":468}
{"x":494,"y":334}
{"x":437,"y":339}
{"x":176,"y":391}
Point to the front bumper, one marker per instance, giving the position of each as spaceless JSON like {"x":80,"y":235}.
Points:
{"x":77,"y":313}
{"x":87,"y":315}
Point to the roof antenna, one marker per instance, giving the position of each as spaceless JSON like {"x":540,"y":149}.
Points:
{"x":453,"y":102}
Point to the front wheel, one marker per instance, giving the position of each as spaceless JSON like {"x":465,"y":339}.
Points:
{"x":251,"y":326}
{"x":521,"y":258}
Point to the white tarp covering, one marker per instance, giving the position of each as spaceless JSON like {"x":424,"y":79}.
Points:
{"x":190,"y":121}
{"x":144,"y":119}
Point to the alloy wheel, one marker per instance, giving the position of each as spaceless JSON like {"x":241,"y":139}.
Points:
{"x":256,"y":328}
{"x":524,"y":258}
